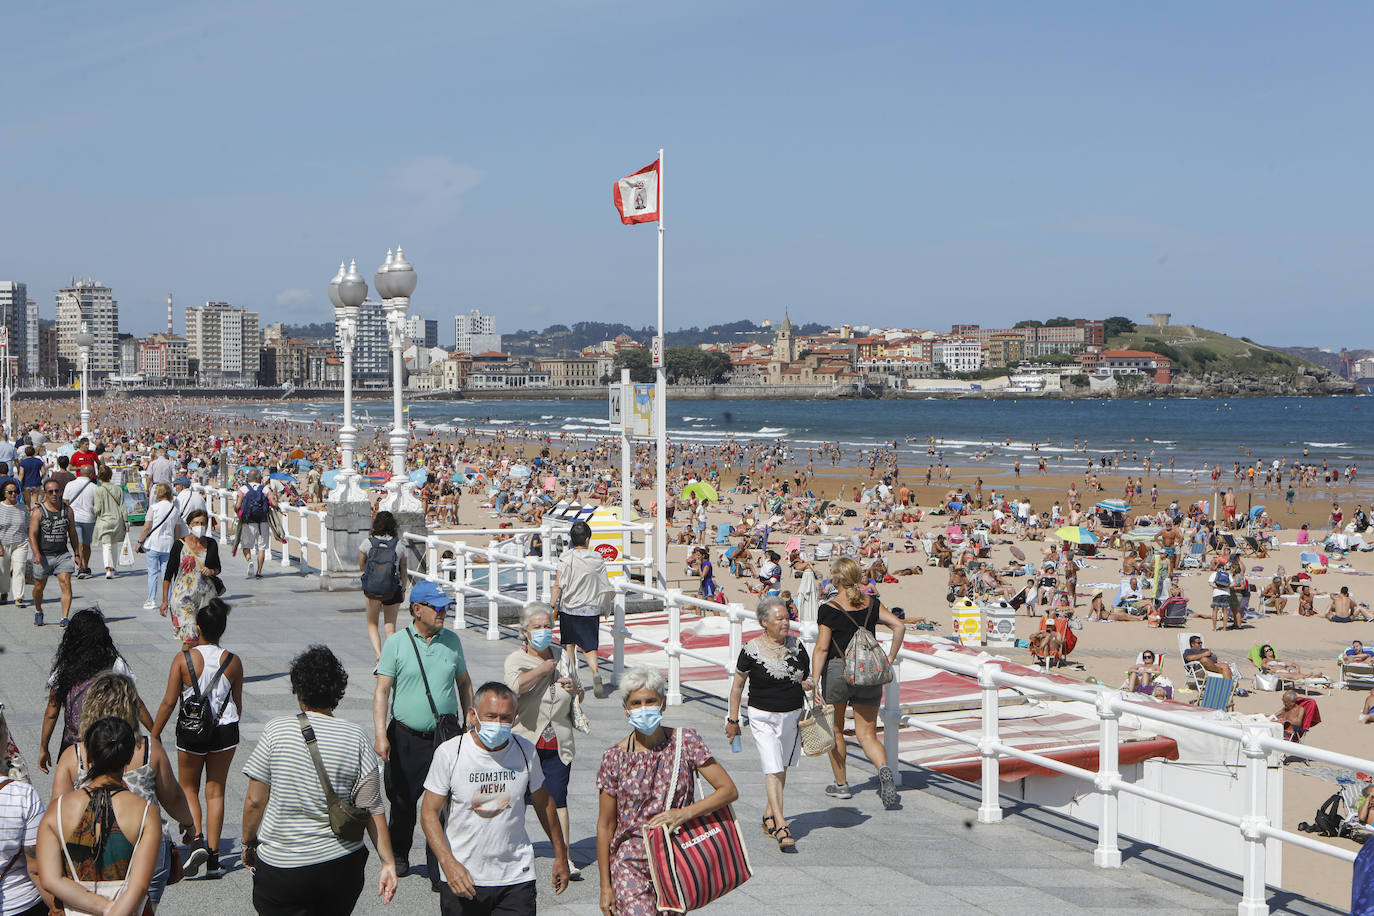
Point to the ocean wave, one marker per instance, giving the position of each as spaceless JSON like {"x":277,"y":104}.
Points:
{"x":1328,"y":444}
{"x":771,"y":430}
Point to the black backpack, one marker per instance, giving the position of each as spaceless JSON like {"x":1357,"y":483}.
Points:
{"x":197,"y":719}
{"x":1327,"y":820}
{"x":382,"y":569}
{"x":255,"y":504}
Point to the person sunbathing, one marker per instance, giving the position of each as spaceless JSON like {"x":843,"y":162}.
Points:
{"x":1305,"y":599}
{"x":1296,"y":715}
{"x":1274,"y":594}
{"x":1144,"y":672}
{"x":1357,"y":654}
{"x":1270,"y":662}
{"x":1344,"y":609}
{"x":959,"y":586}
{"x":1205,"y":657}
{"x":942,"y":553}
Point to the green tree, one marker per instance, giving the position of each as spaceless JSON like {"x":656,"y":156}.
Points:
{"x":1117,"y":325}
{"x":636,"y":359}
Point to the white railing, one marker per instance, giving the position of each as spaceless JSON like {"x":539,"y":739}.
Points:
{"x":1254,"y":828}
{"x":219,"y":503}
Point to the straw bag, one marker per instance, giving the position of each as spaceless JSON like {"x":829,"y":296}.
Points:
{"x":817,"y":730}
{"x":701,"y":860}
{"x":567,"y":667}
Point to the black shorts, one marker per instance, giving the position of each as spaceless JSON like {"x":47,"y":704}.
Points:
{"x":223,"y":738}
{"x":390,"y":600}
{"x":582,"y":632}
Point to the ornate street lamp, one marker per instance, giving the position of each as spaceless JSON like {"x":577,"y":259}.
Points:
{"x":394,"y":281}
{"x":84,"y":340}
{"x":347,"y":291}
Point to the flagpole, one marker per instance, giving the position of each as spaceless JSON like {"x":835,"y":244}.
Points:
{"x":661,"y":458}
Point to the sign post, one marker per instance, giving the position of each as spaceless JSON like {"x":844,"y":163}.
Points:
{"x":622,"y":393}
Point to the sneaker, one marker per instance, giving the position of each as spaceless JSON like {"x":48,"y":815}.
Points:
{"x":574,"y":873}
{"x":258,"y":574}
{"x":20,"y":603}
{"x":248,"y":573}
{"x":62,"y":623}
{"x":149,"y":606}
{"x":839,"y":790}
{"x":38,"y":618}
{"x":887,"y":788}
{"x":109,"y":574}
{"x":402,"y":868}
{"x":197,"y":858}
{"x":213,"y":870}
{"x":598,"y":688}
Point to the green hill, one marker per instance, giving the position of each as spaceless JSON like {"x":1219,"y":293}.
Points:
{"x":1197,"y":350}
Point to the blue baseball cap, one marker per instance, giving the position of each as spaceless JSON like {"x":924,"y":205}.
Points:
{"x":426,"y":592}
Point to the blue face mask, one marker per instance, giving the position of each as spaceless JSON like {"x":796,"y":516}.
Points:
{"x":541,"y":638}
{"x":493,"y":734}
{"x":646,"y":718}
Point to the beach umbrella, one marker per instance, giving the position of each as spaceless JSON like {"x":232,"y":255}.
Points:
{"x":380,"y":474}
{"x":280,"y":475}
{"x":470,"y":470}
{"x":1114,"y":505}
{"x":700,"y":490}
{"x":303,"y":464}
{"x":1256,"y":512}
{"x":1075,"y":534}
{"x":330,"y":479}
{"x":519,"y":470}
{"x":297,"y":453}
{"x":1140,"y":535}
{"x":419,"y":476}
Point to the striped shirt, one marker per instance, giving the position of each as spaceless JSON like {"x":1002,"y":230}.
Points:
{"x":295,"y":827}
{"x":21,"y":809}
{"x":14,"y":524}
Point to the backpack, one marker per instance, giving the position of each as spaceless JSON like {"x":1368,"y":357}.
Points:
{"x":865,"y":661}
{"x":1222,"y":579}
{"x":1327,"y":820}
{"x":255,"y":504}
{"x":197,"y":719}
{"x":382,"y":569}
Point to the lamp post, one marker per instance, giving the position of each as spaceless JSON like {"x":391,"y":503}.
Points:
{"x":84,"y":340}
{"x":394,"y":281}
{"x":347,"y":291}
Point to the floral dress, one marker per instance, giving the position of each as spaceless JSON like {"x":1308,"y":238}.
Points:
{"x":638,"y":781}
{"x":191,"y":590}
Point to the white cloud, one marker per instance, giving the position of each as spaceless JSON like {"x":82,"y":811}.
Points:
{"x":295,"y":297}
{"x":430,"y":188}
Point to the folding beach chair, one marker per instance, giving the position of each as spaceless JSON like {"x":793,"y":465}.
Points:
{"x":1193,"y":671}
{"x":793,"y":543}
{"x":1267,"y":680}
{"x":1351,"y":827}
{"x":1255,"y":548}
{"x":1217,"y":692}
{"x":1174,"y":612}
{"x":823,"y":551}
{"x":723,"y":534}
{"x":1193,"y":558}
{"x":1357,"y":675}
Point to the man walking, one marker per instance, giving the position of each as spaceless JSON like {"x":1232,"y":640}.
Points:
{"x":79,"y":495}
{"x":252,"y":505}
{"x":424,"y":664}
{"x":578,"y":591}
{"x":53,"y":546}
{"x":482,"y":779}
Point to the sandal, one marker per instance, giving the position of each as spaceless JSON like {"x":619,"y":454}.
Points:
{"x":784,"y":838}
{"x":770,"y":831}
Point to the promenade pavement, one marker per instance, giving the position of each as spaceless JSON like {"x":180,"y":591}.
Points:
{"x":928,"y":857}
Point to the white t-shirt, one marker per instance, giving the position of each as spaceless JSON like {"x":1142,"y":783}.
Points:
{"x":163,"y":529}
{"x":80,"y":495}
{"x":1218,"y":591}
{"x":189,"y":500}
{"x":21,"y":809}
{"x":486,"y":811}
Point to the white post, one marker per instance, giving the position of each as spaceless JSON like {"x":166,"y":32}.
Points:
{"x":286,"y":538}
{"x":531,"y":581}
{"x":324,"y":553}
{"x":1253,"y":901}
{"x":432,"y":556}
{"x":736,"y":612}
{"x":674,"y":647}
{"x":460,"y":579}
{"x":626,"y":450}
{"x":1107,"y":854}
{"x":618,"y":633}
{"x":493,"y":606}
{"x":892,"y":720}
{"x":660,"y":425}
{"x":990,"y":810}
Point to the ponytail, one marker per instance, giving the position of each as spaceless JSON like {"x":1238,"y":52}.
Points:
{"x":846,"y":575}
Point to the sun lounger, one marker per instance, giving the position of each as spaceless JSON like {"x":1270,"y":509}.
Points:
{"x":1217,"y":692}
{"x":1357,"y":675}
{"x":723,"y":534}
{"x":1193,"y":559}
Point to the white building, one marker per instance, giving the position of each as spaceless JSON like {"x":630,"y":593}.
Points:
{"x":958,"y":354}
{"x":423,"y":332}
{"x":476,"y":333}
{"x":14,"y":317}
{"x":225,"y":342}
{"x":94,"y":303}
{"x":499,"y":377}
{"x":372,"y":349}
{"x":31,"y":367}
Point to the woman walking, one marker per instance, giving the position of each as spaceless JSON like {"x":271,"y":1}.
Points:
{"x":840,"y":619}
{"x":776,"y":668}
{"x":190,"y":580}
{"x":111,"y":832}
{"x":383,"y":537}
{"x":14,"y":545}
{"x":218,"y":676}
{"x":299,"y":865}
{"x":111,"y":522}
{"x":86,"y":650}
{"x":21,"y":812}
{"x":545,"y":683}
{"x":160,"y":530}
{"x":148,"y":773}
{"x":634,"y":785}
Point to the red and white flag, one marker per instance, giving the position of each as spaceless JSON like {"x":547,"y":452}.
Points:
{"x":636,"y":196}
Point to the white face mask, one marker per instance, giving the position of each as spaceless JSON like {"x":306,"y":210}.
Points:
{"x":198,"y":531}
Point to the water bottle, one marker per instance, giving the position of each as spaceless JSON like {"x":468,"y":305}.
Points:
{"x":736,"y":745}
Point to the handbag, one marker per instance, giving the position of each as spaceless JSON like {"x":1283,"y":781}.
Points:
{"x":347,"y":821}
{"x":865,"y":661}
{"x":704,"y":858}
{"x":110,"y":890}
{"x":567,"y":667}
{"x":817,"y":729}
{"x":446,"y":725}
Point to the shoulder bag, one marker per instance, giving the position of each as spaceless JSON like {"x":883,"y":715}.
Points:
{"x":197,"y":718}
{"x":446,"y":725}
{"x":110,"y":890}
{"x":346,"y":821}
{"x":865,"y":661}
{"x":817,"y":729}
{"x":701,"y":860}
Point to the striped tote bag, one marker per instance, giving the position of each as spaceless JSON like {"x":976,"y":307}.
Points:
{"x":701,"y":860}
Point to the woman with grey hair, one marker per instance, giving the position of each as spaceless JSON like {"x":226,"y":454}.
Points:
{"x":546,"y":687}
{"x":775,"y":666}
{"x":634,"y":785}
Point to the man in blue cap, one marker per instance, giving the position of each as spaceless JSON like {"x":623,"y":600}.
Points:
{"x":423,"y":682}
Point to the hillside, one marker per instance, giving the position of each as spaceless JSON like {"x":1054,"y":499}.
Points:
{"x":562,"y":338}
{"x":1327,"y":359}
{"x":1197,"y":351}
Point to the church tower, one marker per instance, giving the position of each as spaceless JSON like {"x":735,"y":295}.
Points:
{"x":785,"y":347}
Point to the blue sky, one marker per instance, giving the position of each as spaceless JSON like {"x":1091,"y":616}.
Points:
{"x":901,"y":164}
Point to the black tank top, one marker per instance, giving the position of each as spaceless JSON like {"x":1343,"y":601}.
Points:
{"x":52,"y":531}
